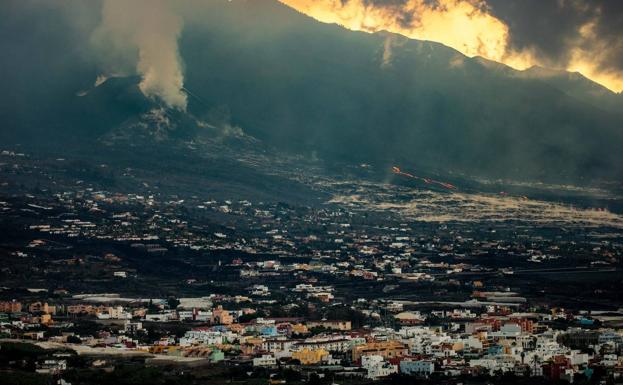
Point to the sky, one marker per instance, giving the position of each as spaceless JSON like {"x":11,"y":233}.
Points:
{"x":583,"y":36}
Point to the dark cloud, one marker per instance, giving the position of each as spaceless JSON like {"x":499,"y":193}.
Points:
{"x":546,"y":26}
{"x":568,"y":34}
{"x":552,"y":28}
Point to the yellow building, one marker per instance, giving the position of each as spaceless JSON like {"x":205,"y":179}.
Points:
{"x":334,"y":325}
{"x":80,"y":309}
{"x":299,"y":329}
{"x":221,"y":316}
{"x":161,"y":349}
{"x":44,"y":319}
{"x":10,"y":307}
{"x":310,"y":357}
{"x":386,"y":349}
{"x":39,"y":307}
{"x":236,"y":328}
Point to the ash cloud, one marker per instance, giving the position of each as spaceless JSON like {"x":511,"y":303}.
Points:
{"x":559,"y":31}
{"x":141,"y":36}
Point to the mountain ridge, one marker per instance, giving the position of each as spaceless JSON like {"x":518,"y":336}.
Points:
{"x":323,"y":91}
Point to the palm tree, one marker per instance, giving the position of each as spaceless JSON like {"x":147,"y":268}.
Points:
{"x":535,"y":361}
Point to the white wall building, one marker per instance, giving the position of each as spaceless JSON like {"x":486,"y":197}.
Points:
{"x":266,"y":360}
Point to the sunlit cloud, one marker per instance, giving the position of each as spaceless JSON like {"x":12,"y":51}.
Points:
{"x":465,"y":25}
{"x":588,"y":52}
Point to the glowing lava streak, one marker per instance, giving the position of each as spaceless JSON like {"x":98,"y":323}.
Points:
{"x":448,"y":186}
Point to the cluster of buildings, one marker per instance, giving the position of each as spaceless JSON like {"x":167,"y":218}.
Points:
{"x":334,"y":288}
{"x":449,"y":343}
{"x":155,"y":223}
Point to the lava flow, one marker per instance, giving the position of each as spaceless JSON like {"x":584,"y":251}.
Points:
{"x":398,"y":171}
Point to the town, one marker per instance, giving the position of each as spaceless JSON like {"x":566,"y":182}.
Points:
{"x":311,"y":192}
{"x":364,"y":340}
{"x":96,"y":278}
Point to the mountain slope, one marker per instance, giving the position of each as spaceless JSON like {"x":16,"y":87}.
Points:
{"x":384,"y":98}
{"x":576,"y":85}
{"x":327,"y":92}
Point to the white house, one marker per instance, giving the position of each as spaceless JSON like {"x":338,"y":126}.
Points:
{"x":377,"y":367}
{"x":417,"y":367}
{"x":266,"y":360}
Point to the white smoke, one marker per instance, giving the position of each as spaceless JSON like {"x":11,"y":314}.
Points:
{"x":144,"y":34}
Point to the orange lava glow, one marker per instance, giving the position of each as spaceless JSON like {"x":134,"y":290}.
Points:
{"x":398,"y":171}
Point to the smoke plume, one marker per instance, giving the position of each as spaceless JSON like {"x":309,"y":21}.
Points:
{"x":142,"y":36}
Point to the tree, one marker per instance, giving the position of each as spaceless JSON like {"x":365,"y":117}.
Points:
{"x":535,"y":362}
{"x":247,"y":318}
{"x":314,"y":379}
{"x":173,"y":302}
{"x":74,"y":340}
